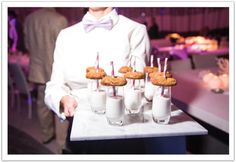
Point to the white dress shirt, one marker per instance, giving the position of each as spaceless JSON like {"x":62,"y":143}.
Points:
{"x":76,"y":50}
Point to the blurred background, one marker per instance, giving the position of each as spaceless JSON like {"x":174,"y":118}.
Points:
{"x":185,"y":21}
{"x":181,"y":34}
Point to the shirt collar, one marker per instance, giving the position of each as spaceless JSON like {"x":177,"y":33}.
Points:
{"x":113,"y":15}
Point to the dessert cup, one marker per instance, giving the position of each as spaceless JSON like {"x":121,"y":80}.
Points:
{"x":97,"y":97}
{"x":114,"y":106}
{"x":161,"y":105}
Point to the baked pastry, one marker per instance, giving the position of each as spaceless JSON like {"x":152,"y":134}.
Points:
{"x":93,"y":73}
{"x":149,"y":69}
{"x":113,"y":81}
{"x":162,"y":81}
{"x":134,"y":75}
{"x":125,"y":69}
{"x":158,"y":74}
{"x":92,"y":68}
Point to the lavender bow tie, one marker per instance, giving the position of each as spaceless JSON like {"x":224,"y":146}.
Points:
{"x":90,"y":25}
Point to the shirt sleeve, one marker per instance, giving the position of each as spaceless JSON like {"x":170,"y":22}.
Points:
{"x":140,"y":46}
{"x":55,"y":88}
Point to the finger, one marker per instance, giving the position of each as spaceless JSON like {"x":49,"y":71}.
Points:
{"x":71,"y":111}
{"x":67,"y":114}
{"x":66,"y":111}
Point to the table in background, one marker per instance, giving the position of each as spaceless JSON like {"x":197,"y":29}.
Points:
{"x":195,"y":98}
{"x":208,"y":108}
{"x":218,"y":52}
{"x":183,"y":53}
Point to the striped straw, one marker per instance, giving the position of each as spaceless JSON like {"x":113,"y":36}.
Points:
{"x":113,"y":74}
{"x":97,"y":61}
{"x":97,"y":68}
{"x":112,"y":69}
{"x":134,"y":65}
{"x":151,"y":61}
{"x":162,"y":90}
{"x":165,"y":66}
{"x":134,"y":69}
{"x":159,"y":64}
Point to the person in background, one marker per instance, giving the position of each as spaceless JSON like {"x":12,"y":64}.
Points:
{"x":15,"y":33}
{"x":41,"y":29}
{"x":153,"y":31}
{"x":102,"y":30}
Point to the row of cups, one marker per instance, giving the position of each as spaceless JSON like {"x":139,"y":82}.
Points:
{"x":116,"y":101}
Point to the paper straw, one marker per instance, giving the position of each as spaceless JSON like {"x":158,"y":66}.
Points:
{"x":165,"y":66}
{"x":97,"y":85}
{"x":134,"y":65}
{"x":113,"y":74}
{"x":159,"y":64}
{"x":146,"y":77}
{"x":97,"y":62}
{"x":162,"y":91}
{"x":97,"y":68}
{"x":112,"y":69}
{"x":151,"y":61}
{"x":133,"y":83}
{"x":134,"y":69}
